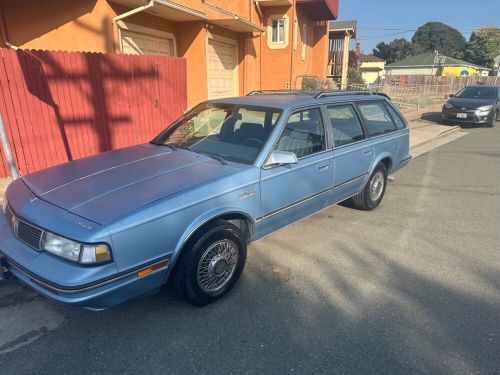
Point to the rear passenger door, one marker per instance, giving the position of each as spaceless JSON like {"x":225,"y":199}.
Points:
{"x":353,"y":152}
{"x":293,"y":191}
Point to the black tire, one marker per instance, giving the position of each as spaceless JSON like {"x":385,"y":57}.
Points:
{"x":364,"y":200}
{"x":492,"y":122}
{"x":185,"y":277}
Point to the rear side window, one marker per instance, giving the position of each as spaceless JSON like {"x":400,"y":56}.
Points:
{"x":377,"y":119}
{"x":400,"y":124}
{"x":304,"y":134}
{"x":345,"y":125}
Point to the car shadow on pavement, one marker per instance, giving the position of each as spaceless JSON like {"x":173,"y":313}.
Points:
{"x":435,"y":117}
{"x":356,"y":310}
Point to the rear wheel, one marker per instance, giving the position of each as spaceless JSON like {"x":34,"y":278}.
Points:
{"x":211,"y":264}
{"x":373,"y":193}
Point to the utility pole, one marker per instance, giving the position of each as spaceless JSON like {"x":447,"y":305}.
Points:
{"x":7,"y":150}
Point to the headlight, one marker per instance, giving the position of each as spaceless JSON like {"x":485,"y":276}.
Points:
{"x":485,"y":108}
{"x":448,"y":105}
{"x":62,"y":247}
{"x":76,"y":251}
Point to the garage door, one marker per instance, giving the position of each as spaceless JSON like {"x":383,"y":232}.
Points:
{"x":221,"y":69}
{"x":134,"y":43}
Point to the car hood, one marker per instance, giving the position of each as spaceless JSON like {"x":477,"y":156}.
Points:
{"x":470,"y":103}
{"x":106,"y":186}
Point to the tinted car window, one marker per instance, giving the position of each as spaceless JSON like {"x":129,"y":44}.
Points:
{"x":304,"y":134}
{"x":400,"y":124}
{"x":377,"y":119}
{"x":345,"y":125}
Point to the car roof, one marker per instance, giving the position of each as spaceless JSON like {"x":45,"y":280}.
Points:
{"x":289,"y":100}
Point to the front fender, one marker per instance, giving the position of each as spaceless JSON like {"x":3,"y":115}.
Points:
{"x":206,"y":217}
{"x":202,"y":220}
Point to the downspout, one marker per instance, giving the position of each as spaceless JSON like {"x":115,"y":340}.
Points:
{"x":259,"y":11}
{"x":5,"y":35}
{"x":261,"y":16}
{"x":291,"y":44}
{"x":125,"y":15}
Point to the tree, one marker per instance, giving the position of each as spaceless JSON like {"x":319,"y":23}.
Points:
{"x":436,"y":36}
{"x":483,"y":46}
{"x":398,"y":49}
{"x":354,"y":77}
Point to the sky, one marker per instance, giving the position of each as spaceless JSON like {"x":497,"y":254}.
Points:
{"x":385,"y":20}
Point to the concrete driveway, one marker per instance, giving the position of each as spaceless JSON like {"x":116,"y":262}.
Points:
{"x":412,"y":287}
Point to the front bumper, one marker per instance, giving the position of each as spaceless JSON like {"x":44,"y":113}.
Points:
{"x":98,"y":297}
{"x":17,"y":259}
{"x":473,"y":116}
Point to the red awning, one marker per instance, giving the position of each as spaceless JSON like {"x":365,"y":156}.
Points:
{"x":320,"y":10}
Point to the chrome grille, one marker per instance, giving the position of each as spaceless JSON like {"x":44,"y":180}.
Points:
{"x":27,"y":233}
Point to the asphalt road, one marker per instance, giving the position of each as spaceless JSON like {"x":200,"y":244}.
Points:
{"x":413,"y":287}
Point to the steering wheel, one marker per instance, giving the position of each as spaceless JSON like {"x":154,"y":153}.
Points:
{"x":253,"y":140}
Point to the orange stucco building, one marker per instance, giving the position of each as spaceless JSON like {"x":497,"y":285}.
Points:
{"x":231,"y":47}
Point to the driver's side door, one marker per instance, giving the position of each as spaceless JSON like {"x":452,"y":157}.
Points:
{"x":293,"y":191}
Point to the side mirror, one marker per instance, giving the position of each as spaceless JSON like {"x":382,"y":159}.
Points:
{"x":451,"y":95}
{"x":280,"y":158}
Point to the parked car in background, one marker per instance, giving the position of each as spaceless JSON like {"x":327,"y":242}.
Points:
{"x":473,"y":105}
{"x":181,"y":209}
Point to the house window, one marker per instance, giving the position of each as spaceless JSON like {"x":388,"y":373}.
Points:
{"x":277,"y":32}
{"x":304,"y":41}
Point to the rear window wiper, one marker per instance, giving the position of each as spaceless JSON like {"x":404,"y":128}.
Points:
{"x":164,"y":144}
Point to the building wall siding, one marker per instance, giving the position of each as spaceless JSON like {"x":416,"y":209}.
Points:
{"x":86,"y":26}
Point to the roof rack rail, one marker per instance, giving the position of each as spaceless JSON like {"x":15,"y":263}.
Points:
{"x":326,"y":94}
{"x":281,"y":92}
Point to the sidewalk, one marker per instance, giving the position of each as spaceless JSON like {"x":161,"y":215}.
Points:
{"x":424,"y":126}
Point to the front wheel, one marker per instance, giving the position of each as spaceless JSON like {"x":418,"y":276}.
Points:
{"x":211,"y":264}
{"x":371,"y":196}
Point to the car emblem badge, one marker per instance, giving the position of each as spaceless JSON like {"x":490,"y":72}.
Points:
{"x":463,"y":109}
{"x":247,"y":194}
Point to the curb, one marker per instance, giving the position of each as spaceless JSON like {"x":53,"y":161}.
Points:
{"x":452,"y":129}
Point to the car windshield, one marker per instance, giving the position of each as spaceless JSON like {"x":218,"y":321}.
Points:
{"x":223,"y":131}
{"x":478,"y":93}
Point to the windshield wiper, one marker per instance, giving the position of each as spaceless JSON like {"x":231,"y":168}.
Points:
{"x":216,"y":157}
{"x":164,"y":144}
{"x":213,"y":156}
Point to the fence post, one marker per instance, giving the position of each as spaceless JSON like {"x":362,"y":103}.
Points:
{"x":7,"y":150}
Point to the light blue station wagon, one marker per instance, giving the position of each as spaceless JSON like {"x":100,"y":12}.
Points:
{"x":181,"y":209}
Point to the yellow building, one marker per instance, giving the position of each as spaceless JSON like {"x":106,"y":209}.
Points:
{"x":372,"y":68}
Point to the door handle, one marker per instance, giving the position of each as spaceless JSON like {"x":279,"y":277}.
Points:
{"x":323,"y":166}
{"x":368,"y":151}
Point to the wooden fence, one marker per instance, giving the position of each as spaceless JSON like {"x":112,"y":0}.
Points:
{"x":61,"y":106}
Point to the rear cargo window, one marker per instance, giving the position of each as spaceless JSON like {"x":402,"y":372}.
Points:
{"x":377,"y":119}
{"x":400,"y":124}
